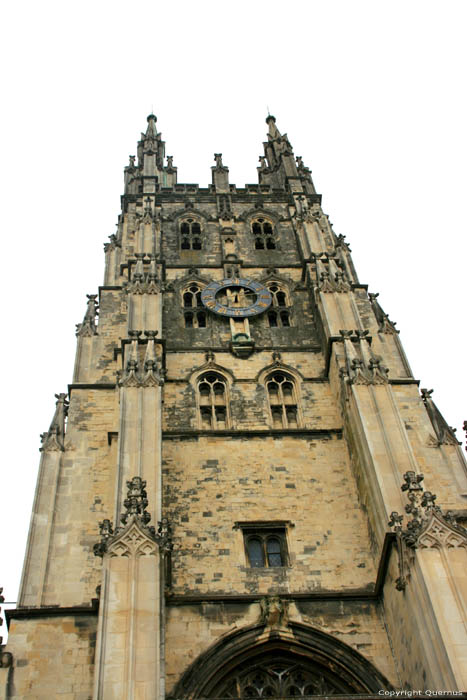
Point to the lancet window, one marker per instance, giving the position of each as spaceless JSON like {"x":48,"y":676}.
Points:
{"x":283,"y":400}
{"x":213,"y":401}
{"x":263,"y":233}
{"x":279,"y":312}
{"x":190,"y":234}
{"x":193,"y":309}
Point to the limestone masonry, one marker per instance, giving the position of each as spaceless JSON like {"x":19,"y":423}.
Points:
{"x":236,"y":496}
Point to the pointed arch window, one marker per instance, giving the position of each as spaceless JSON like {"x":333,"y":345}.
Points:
{"x":190,"y":234}
{"x":263,"y":233}
{"x":279,"y":313}
{"x":213,"y":401}
{"x":193,"y":309}
{"x":283,"y":400}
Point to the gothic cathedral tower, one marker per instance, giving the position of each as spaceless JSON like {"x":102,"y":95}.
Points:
{"x":236,"y":495}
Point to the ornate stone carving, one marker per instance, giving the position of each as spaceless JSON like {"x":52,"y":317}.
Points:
{"x":224,"y":208}
{"x":331,"y":276}
{"x":218,"y":160}
{"x":274,"y":611}
{"x":445,"y":435}
{"x":152,"y":373}
{"x":383,"y":320}
{"x":53,"y":439}
{"x":114,"y":243}
{"x":342,"y":243}
{"x":427,"y":527}
{"x":134,"y":537}
{"x":144,"y":279}
{"x":362,"y":367}
{"x":88,"y":326}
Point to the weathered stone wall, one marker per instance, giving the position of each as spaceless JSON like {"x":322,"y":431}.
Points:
{"x":52,"y":657}
{"x":306,"y":482}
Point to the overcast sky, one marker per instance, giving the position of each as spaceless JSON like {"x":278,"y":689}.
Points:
{"x":372,"y":96}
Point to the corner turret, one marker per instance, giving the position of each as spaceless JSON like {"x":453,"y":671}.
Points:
{"x":279,"y":167}
{"x":150,"y":173}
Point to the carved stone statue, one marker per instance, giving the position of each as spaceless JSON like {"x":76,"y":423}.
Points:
{"x":273,"y":611}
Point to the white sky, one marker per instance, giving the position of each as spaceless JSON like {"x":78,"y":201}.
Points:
{"x":372,"y":95}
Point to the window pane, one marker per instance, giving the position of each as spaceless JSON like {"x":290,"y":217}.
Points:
{"x":272,"y":317}
{"x":204,"y":389}
{"x":256,"y":228}
{"x":281,"y":299}
{"x":188,"y":320}
{"x":206,"y":418}
{"x":273,"y":549}
{"x":255,"y":552}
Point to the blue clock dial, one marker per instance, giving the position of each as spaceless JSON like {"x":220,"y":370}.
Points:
{"x":236,"y":297}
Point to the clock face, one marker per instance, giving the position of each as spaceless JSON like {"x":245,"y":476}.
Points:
{"x":236,"y":297}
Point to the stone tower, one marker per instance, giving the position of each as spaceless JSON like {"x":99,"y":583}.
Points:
{"x":236,"y":494}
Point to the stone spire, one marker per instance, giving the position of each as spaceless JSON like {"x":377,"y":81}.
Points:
{"x":279,"y":167}
{"x":149,"y":171}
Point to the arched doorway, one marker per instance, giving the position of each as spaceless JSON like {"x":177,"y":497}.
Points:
{"x":259,"y":662}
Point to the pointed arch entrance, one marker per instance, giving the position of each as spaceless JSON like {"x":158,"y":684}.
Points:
{"x":259,"y":662}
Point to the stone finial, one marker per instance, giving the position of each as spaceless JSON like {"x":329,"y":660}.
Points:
{"x":136,"y":501}
{"x":383,"y":320}
{"x":88,"y":326}
{"x":445,"y":435}
{"x":263,"y":166}
{"x":341,"y":243}
{"x":302,"y":169}
{"x":114,"y":243}
{"x":427,"y":527}
{"x":135,"y":515}
{"x":54,"y":439}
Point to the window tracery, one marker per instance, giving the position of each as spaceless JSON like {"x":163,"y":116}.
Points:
{"x":279,"y":676}
{"x":193,"y":309}
{"x":283,"y":400}
{"x":279,"y":313}
{"x":263,"y":233}
{"x":190,"y":234}
{"x":213,"y":401}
